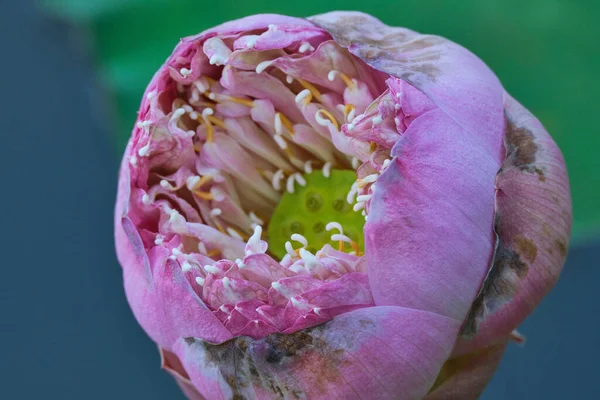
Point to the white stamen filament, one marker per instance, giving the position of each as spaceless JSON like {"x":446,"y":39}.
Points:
{"x":143,"y":151}
{"x":351,"y":115}
{"x":251,"y":42}
{"x":300,"y":179}
{"x":191,"y":182}
{"x":254,"y":241}
{"x":353,"y":191}
{"x":299,"y":238}
{"x":278,"y":124}
{"x":276,"y":180}
{"x":290,"y":249}
{"x":165,"y":184}
{"x":177,"y":114}
{"x":289,"y":185}
{"x":359,"y":206}
{"x":233,"y":233}
{"x":206,"y":112}
{"x":305,"y":46}
{"x":185,"y":72}
{"x":211,"y":269}
{"x":218,"y":59}
{"x":186,"y":266}
{"x":327,"y":169}
{"x":337,"y":237}
{"x":322,"y":121}
{"x":300,"y":97}
{"x":280,"y":141}
{"x":368,"y":179}
{"x":308,"y":167}
{"x":334,"y":225}
{"x":263,"y":65}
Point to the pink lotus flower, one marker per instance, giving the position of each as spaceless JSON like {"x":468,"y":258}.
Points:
{"x":263,"y":145}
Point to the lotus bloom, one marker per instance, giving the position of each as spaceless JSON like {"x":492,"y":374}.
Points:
{"x":335,"y":208}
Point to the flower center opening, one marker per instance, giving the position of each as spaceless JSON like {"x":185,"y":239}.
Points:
{"x":253,"y":168}
{"x":320,"y":202}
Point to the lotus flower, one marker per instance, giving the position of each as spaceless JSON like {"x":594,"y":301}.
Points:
{"x":334,"y":208}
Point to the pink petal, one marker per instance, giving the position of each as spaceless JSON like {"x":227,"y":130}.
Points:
{"x":428,"y":243}
{"x":465,"y":378}
{"x":533,"y":223}
{"x":386,"y":352}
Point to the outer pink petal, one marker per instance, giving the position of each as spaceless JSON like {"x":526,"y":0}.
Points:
{"x":162,"y":300}
{"x":380,"y":352}
{"x":452,"y":77}
{"x":533,"y":223}
{"x":171,"y":364}
{"x":465,"y":377}
{"x":429,"y":236}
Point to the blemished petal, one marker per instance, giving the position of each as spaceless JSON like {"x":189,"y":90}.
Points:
{"x":456,"y":80}
{"x":533,"y":224}
{"x":465,"y":377}
{"x":392,"y":351}
{"x":170,"y":363}
{"x":428,"y":243}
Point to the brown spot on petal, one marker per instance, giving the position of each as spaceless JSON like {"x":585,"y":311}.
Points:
{"x":502,"y":282}
{"x":275,"y":362}
{"x":562,"y":247}
{"x":526,"y":247}
{"x":521,"y":149}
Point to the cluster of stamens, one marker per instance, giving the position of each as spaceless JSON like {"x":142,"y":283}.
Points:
{"x":244,"y":151}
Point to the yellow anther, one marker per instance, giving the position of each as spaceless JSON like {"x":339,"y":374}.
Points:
{"x":217,"y":121}
{"x":348,"y":108}
{"x":287,"y":123}
{"x":372,"y":147}
{"x":212,"y":253}
{"x":203,"y":195}
{"x":349,"y":82}
{"x":330,"y":117}
{"x":210,"y":132}
{"x":218,"y":97}
{"x":313,"y":90}
{"x":202,"y":181}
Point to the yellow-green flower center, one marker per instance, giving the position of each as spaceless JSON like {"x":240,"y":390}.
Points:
{"x":309,"y":209}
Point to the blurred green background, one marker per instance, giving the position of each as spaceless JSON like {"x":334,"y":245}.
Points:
{"x":544,"y":51}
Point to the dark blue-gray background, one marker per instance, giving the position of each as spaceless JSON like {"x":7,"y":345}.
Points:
{"x":66,"y":330}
